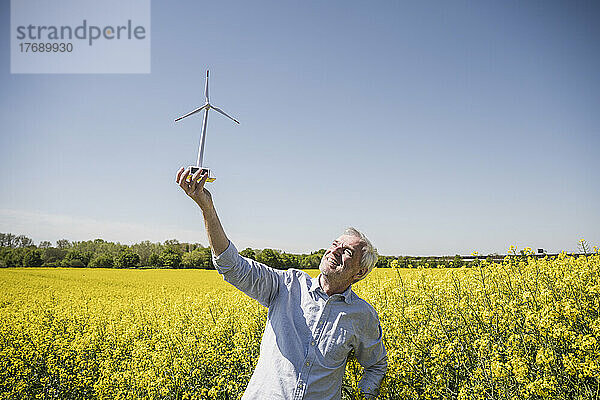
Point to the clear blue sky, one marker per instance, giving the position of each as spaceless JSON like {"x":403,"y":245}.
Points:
{"x":434,"y":127}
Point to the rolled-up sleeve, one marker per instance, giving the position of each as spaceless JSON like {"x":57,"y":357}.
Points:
{"x":257,"y":280}
{"x":371,"y":354}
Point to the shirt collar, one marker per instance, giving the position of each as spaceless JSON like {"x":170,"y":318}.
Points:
{"x":346,"y":294}
{"x":314,"y":284}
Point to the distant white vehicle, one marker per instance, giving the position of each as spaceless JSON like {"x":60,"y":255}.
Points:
{"x":205,"y":107}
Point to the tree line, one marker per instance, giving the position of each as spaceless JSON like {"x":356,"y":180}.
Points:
{"x":21,"y":251}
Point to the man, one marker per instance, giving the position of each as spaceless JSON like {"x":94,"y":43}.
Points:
{"x":312,"y":323}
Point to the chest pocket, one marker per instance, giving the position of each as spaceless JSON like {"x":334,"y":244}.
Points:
{"x":338,"y":347}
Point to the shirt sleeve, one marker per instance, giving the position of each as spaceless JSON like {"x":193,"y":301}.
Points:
{"x":257,"y":280}
{"x":371,"y":354}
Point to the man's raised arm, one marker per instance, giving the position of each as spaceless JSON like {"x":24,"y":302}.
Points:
{"x":195,"y":189}
{"x":253,"y":278}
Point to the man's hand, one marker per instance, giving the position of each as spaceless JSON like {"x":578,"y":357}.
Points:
{"x":194,"y":187}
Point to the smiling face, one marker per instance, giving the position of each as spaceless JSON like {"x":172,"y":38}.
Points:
{"x":341,"y":261}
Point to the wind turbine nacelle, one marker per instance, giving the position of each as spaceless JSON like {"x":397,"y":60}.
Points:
{"x":194,"y":169}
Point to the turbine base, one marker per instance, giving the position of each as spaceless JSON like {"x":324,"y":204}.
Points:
{"x":194,"y":169}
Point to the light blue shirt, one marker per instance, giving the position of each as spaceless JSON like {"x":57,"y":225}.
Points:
{"x":308,"y":334}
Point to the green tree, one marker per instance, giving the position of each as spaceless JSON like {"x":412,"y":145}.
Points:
{"x":145,"y":249}
{"x":32,"y":258}
{"x":270,"y":257}
{"x":319,"y":252}
{"x":102,"y":261}
{"x":170,"y":258}
{"x":457,"y":261}
{"x":174,"y":244}
{"x":63,"y":244}
{"x":13,"y":241}
{"x":76,"y":258}
{"x":7,"y":240}
{"x":24,"y":241}
{"x":12,"y":257}
{"x":207,"y":258}
{"x":154,"y":260}
{"x":127,"y":259}
{"x":189,"y":260}
{"x":248,"y":253}
{"x":383,"y":262}
{"x":311,"y":261}
{"x":53,"y":257}
{"x":198,"y":258}
{"x":403,"y":262}
{"x":289,"y":260}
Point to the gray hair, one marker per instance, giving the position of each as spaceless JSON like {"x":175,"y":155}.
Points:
{"x":369,"y":252}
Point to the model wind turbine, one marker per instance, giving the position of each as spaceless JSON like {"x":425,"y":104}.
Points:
{"x":206,"y":107}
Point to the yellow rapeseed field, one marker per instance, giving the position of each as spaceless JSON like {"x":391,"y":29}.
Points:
{"x":525,"y":328}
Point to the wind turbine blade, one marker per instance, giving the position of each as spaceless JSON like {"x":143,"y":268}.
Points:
{"x":191,"y":112}
{"x":223,"y":112}
{"x":206,"y":87}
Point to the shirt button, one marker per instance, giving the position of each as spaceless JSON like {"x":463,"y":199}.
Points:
{"x":307,"y":363}
{"x":312,"y":343}
{"x":300,"y":385}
